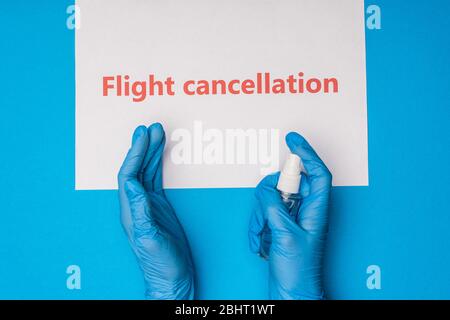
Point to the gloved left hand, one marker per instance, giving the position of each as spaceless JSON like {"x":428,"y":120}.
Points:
{"x":153,"y":230}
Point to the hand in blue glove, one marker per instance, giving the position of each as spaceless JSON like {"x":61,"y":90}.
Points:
{"x":297,"y":245}
{"x":154,"y":232}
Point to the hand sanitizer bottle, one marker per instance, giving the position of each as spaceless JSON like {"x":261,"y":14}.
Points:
{"x":288,"y":185}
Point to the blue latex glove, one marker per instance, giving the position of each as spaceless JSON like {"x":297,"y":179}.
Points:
{"x":153,"y":230}
{"x":297,"y":245}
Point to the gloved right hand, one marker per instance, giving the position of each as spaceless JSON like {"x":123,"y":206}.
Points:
{"x":153,"y":230}
{"x":297,"y":245}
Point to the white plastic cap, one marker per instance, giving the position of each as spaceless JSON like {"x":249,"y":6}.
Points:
{"x":290,"y":176}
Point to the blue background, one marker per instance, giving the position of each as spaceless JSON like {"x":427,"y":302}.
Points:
{"x":401,"y":222}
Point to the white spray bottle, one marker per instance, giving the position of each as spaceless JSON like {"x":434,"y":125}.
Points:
{"x":288,"y":185}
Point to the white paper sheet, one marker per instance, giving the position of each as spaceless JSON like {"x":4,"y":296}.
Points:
{"x":221,"y":40}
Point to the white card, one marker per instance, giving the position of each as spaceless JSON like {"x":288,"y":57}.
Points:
{"x":236,"y":76}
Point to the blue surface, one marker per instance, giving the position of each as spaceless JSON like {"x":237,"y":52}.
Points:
{"x":401,"y":222}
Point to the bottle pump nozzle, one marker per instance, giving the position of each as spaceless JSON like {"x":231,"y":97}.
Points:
{"x":290,"y":176}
